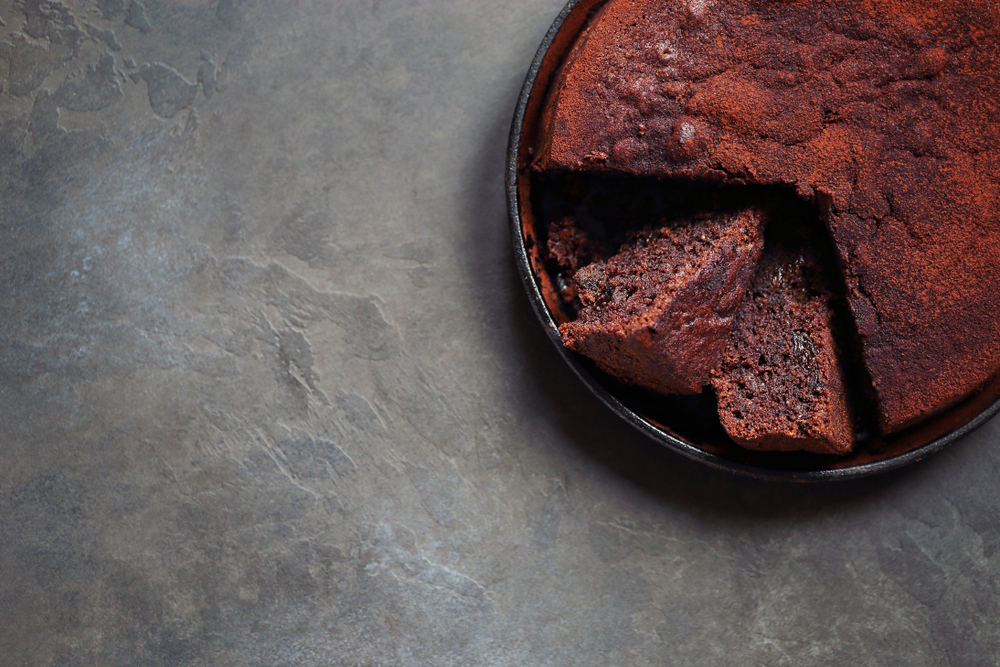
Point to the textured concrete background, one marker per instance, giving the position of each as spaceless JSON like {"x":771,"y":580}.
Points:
{"x":271,"y":393}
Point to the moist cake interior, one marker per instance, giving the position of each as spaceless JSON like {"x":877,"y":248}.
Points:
{"x":611,"y":208}
{"x":660,"y":311}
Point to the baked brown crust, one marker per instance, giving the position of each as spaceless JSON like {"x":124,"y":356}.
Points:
{"x":659,"y":312}
{"x":882,"y":111}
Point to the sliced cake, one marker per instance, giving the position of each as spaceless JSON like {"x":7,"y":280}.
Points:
{"x":660,"y":311}
{"x":882,"y":112}
{"x":780,"y":385}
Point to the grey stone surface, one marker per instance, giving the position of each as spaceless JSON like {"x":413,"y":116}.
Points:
{"x":271,"y":393}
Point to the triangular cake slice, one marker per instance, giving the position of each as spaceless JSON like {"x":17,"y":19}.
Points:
{"x":659,"y":312}
{"x":781,"y":386}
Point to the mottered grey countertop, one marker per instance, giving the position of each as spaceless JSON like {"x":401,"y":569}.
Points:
{"x":271,"y":392}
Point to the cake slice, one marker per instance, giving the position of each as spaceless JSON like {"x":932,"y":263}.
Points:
{"x":659,"y":312}
{"x":780,"y":386}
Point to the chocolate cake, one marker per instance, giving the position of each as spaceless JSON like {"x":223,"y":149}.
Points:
{"x":881,"y":112}
{"x":571,"y":247}
{"x":659,"y":312}
{"x":780,"y":385}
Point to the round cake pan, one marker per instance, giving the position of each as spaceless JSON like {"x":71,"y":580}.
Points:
{"x":675,"y":422}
